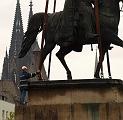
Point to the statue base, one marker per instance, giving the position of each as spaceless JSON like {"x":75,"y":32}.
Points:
{"x":87,"y":99}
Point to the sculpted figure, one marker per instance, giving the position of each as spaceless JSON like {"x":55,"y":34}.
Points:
{"x":76,"y":13}
{"x":87,"y":18}
{"x":67,"y":27}
{"x":107,"y":12}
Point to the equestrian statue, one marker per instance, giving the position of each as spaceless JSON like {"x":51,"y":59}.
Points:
{"x":74,"y":27}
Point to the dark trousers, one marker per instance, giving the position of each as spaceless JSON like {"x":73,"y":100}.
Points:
{"x":23,"y":94}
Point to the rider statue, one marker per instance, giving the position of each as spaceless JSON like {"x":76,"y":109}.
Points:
{"x":86,"y":13}
{"x":71,"y":17}
{"x":107,"y":18}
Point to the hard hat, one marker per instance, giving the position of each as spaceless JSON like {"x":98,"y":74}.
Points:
{"x":24,"y":68}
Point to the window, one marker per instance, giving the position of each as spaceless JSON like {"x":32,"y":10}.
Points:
{"x":4,"y":98}
{"x":93,"y":111}
{"x":3,"y":114}
{"x":6,"y":115}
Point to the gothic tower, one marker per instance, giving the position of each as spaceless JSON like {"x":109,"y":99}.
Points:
{"x":12,"y":64}
{"x":10,"y":72}
{"x":5,"y":67}
{"x":15,"y":45}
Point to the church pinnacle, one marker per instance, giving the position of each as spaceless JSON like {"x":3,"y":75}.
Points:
{"x":12,"y":64}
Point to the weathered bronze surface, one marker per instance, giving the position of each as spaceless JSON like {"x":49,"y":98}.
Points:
{"x":67,"y":29}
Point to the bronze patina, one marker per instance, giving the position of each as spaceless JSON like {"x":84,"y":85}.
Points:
{"x":69,"y":29}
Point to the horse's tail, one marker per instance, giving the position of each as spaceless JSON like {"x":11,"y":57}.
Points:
{"x":35,"y":26}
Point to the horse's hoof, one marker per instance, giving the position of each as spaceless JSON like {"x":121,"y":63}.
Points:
{"x":97,"y":76}
{"x":69,"y":77}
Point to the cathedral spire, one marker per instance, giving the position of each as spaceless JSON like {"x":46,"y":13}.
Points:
{"x":12,"y":64}
{"x":17,"y":32}
{"x":5,"y":71}
{"x":16,"y":40}
{"x":30,"y":12}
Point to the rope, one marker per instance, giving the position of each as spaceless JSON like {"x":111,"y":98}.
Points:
{"x":108,"y":65}
{"x":45,"y":23}
{"x":51,"y":52}
{"x":96,"y":4}
{"x":98,"y":24}
{"x":99,"y":39}
{"x":43,"y":33}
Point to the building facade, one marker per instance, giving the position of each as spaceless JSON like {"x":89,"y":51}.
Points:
{"x":7,"y":110}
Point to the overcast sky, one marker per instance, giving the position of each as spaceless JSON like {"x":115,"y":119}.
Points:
{"x":81,"y":64}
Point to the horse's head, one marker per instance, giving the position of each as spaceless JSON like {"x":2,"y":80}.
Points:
{"x":35,"y":25}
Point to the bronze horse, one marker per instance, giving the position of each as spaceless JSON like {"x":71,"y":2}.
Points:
{"x":109,"y":19}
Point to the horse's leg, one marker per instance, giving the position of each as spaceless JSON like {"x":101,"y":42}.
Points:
{"x":45,"y":51}
{"x":61,"y":54}
{"x":99,"y":65}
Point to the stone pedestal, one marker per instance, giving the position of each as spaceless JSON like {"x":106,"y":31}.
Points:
{"x":85,"y":99}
